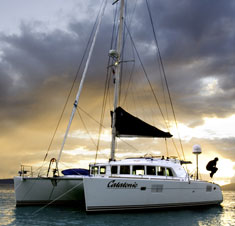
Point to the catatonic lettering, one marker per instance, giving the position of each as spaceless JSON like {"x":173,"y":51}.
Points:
{"x":114,"y":184}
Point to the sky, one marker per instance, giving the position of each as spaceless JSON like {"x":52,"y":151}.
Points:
{"x":41,"y":47}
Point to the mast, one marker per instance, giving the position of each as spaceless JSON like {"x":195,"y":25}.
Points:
{"x":117,"y":79}
{"x":81,"y":83}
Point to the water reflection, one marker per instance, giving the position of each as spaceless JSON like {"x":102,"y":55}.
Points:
{"x":74,"y":216}
{"x":228,"y":216}
{"x":215,"y":215}
{"x":6,"y":207}
{"x":211,"y":216}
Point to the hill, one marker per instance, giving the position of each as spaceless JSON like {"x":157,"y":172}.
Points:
{"x":228,"y":187}
{"x":6,"y":184}
{"x":6,"y":181}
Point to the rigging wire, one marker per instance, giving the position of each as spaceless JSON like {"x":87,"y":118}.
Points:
{"x":164,"y":74}
{"x":90,"y":116}
{"x":84,"y":125}
{"x":101,"y":125}
{"x":133,"y":66}
{"x":107,"y":83}
{"x":124,"y":43}
{"x":57,"y":198}
{"x":167,"y":152}
{"x":122,"y":57}
{"x":146,"y":75}
{"x":128,"y":144}
{"x":129,"y":82}
{"x":83,"y":78}
{"x":106,"y":88}
{"x":70,"y":91}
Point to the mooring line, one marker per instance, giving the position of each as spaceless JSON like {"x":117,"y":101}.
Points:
{"x":35,"y":212}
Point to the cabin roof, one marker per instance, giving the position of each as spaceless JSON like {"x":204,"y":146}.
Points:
{"x":143,"y":161}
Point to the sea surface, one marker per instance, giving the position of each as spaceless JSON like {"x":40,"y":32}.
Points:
{"x":51,"y":215}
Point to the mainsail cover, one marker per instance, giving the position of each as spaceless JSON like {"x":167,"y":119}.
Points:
{"x":128,"y":125}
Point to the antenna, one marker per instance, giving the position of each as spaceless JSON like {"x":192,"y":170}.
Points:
{"x":197,"y":151}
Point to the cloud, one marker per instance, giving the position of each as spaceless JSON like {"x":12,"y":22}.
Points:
{"x":195,"y":41}
{"x":39,"y":62}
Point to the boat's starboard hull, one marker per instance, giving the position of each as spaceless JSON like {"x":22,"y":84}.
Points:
{"x":104,"y":194}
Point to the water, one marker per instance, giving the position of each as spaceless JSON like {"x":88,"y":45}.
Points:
{"x":215,"y":215}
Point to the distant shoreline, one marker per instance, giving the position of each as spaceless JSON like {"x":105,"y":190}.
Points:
{"x":6,"y":181}
{"x":9,"y":183}
{"x":6,"y":184}
{"x":228,"y":187}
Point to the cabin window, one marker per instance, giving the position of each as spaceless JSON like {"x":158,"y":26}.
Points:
{"x":208,"y":188}
{"x":161,"y":171}
{"x":151,"y":170}
{"x":138,"y":170}
{"x":124,"y":169}
{"x":102,"y":169}
{"x":94,"y":170}
{"x":114,"y":169}
{"x":169,"y":172}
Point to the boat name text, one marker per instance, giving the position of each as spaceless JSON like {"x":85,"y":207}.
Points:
{"x":114,"y":184}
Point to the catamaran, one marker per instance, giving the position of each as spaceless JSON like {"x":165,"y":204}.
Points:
{"x":131,"y":183}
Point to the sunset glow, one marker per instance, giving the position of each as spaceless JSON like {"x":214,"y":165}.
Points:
{"x":42,"y":47}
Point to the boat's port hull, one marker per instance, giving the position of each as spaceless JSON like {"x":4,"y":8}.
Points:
{"x":53,"y":191}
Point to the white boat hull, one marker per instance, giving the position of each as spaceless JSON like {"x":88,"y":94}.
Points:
{"x":102,"y":194}
{"x":41,"y":191}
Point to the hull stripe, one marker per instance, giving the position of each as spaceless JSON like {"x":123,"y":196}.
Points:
{"x":133,"y":207}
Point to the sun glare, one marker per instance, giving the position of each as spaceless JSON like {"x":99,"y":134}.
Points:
{"x":210,"y":86}
{"x":105,"y":135}
{"x":212,"y":128}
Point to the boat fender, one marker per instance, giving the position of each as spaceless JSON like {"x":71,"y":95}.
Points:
{"x":54,"y":182}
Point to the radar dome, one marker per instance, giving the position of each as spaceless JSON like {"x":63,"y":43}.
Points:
{"x":197,"y":149}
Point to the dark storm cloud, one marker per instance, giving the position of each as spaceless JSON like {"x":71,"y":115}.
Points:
{"x":197,"y":40}
{"x":190,"y":31}
{"x":204,"y":26}
{"x":35,"y":55}
{"x":5,"y":81}
{"x":37,"y":67}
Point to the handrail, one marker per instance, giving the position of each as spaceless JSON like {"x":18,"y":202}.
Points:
{"x":24,"y":169}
